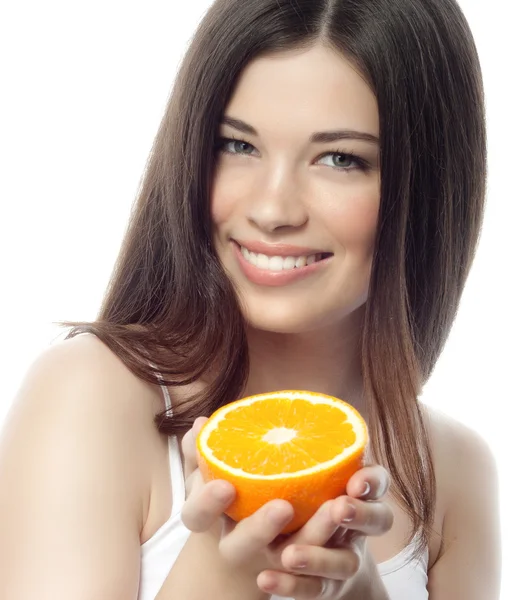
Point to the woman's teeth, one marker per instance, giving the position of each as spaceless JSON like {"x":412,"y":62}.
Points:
{"x":279,"y":263}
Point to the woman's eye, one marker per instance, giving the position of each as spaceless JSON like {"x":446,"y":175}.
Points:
{"x":239,"y":146}
{"x":344,"y":161}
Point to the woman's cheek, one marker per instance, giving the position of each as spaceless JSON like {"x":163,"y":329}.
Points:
{"x":354,"y":220}
{"x":219,"y":209}
{"x":226,"y":197}
{"x":223,"y":203}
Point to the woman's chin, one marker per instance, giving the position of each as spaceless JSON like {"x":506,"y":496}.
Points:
{"x":265,"y":318}
{"x":274,"y":326}
{"x":288,"y":321}
{"x":296,"y":318}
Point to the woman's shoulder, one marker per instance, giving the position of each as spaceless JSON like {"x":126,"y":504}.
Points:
{"x":464,"y":461}
{"x":80,"y":388}
{"x":84,"y":365}
{"x":467,"y":480}
{"x":451,"y":438}
{"x":76,"y":457}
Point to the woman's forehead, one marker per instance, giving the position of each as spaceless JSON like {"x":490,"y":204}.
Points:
{"x":316,"y":89}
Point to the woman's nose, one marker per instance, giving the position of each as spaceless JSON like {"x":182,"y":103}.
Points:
{"x":279,"y":204}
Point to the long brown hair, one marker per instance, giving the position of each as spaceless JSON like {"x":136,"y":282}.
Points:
{"x":169,"y":301}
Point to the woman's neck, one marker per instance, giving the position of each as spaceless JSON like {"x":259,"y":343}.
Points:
{"x":326,"y":360}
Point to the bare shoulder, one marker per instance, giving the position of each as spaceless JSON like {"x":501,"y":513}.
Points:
{"x":80,"y":385}
{"x":453,"y":440}
{"x":468,"y":564}
{"x":81,"y":381}
{"x":75,"y":475}
{"x":460,"y":453}
{"x":85,"y":360}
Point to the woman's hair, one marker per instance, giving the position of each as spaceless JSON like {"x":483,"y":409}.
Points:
{"x":169,"y":301}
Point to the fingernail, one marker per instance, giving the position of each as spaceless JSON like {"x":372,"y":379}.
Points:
{"x":350,"y":513}
{"x":366,"y":490}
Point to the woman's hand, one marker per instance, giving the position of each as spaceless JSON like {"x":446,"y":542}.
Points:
{"x":326,"y":558}
{"x":245,"y":545}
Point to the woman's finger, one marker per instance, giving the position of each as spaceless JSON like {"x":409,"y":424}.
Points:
{"x":368,"y":518}
{"x":287,"y":585}
{"x":318,"y":530}
{"x":206,"y":504}
{"x":189,"y":447}
{"x":369,"y":483}
{"x":256,"y":532}
{"x":331,"y":563}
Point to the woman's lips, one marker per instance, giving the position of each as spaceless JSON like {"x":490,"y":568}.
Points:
{"x":261,"y":276}
{"x":277,"y":249}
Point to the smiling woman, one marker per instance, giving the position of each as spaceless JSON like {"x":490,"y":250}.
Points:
{"x":307,"y":221}
{"x":284,"y":217}
{"x":285,"y":214}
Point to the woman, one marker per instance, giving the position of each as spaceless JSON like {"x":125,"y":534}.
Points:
{"x":307,"y":220}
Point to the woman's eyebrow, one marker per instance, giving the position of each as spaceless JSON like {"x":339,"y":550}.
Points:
{"x":316,"y":138}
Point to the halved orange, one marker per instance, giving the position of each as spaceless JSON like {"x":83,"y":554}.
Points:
{"x":295,"y":445}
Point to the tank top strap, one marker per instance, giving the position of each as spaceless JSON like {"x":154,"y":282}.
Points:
{"x":176,"y":468}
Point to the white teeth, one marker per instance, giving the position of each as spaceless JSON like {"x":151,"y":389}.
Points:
{"x":301,"y":261}
{"x":263,"y":261}
{"x":289,"y":263}
{"x":278,"y":263}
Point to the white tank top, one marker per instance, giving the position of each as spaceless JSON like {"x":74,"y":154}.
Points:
{"x":403,"y":580}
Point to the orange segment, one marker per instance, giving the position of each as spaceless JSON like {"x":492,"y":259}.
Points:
{"x":296,"y":445}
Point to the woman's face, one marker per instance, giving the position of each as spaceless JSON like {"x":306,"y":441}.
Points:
{"x":295,"y":217}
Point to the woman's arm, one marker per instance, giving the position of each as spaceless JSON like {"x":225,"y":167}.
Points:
{"x":469,"y":564}
{"x":70,"y":500}
{"x":199,"y":573}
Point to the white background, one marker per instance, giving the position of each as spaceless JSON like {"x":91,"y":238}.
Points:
{"x":84,"y":86}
